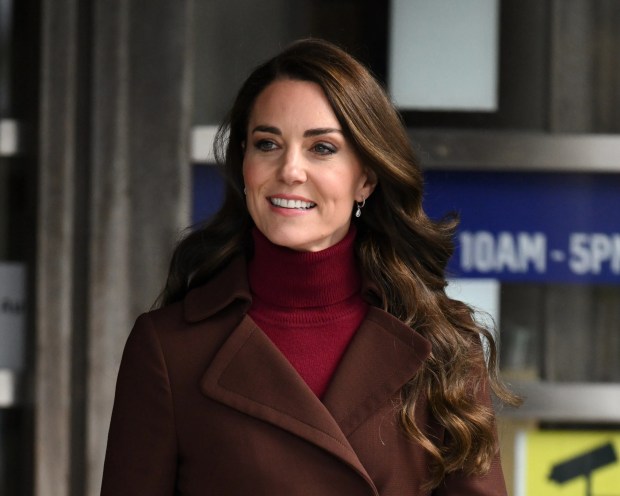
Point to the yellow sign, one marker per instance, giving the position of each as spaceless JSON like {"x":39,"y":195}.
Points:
{"x":568,"y":463}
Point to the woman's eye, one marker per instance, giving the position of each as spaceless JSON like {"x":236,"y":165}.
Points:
{"x":265,"y":145}
{"x":324,"y":149}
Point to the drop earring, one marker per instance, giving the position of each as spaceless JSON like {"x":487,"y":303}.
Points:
{"x":358,"y":212}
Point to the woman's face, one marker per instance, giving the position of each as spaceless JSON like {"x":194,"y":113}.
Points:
{"x":302,"y":176}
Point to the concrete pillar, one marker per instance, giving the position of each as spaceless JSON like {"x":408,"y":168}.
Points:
{"x":140,"y":187}
{"x":56,"y":258}
{"x":113,"y":196}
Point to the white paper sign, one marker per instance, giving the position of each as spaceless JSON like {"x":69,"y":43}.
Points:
{"x":444,"y":54}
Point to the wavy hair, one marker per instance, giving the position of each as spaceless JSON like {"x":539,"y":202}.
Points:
{"x":401,"y":251}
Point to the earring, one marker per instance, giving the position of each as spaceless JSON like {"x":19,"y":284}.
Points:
{"x":358,"y":212}
{"x":244,"y":191}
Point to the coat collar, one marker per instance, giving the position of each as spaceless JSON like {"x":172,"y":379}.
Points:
{"x":382,"y":357}
{"x":250,"y":375}
{"x":228,"y":286}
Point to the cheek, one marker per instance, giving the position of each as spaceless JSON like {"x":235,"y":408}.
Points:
{"x":254,"y":179}
{"x":250,"y":173}
{"x":245,"y":167}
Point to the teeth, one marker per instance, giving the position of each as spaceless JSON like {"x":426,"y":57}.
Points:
{"x":284,"y":203}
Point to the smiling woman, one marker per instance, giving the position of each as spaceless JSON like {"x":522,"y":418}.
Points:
{"x":302,"y":176}
{"x":301,"y":349}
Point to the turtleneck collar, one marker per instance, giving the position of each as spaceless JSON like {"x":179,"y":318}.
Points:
{"x":288,"y":278}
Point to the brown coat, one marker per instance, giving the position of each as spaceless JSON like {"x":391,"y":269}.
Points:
{"x":206,"y":405}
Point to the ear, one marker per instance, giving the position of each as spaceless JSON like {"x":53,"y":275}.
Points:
{"x":367,"y":185}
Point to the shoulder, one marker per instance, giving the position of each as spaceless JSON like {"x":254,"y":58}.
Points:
{"x":227,"y":288}
{"x":198,"y":322}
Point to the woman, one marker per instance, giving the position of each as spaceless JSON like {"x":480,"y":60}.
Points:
{"x":305,"y":344}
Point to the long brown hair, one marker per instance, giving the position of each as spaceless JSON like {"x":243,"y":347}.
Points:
{"x":401,"y":250}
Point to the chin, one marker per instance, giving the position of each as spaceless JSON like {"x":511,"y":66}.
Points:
{"x":296,"y":242}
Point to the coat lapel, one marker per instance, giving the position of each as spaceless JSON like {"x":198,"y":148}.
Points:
{"x":251,"y":375}
{"x":382,"y":357}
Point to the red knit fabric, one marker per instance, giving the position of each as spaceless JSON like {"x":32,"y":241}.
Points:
{"x":308,"y":303}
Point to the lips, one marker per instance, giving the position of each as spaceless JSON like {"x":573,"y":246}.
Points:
{"x":292,"y":204}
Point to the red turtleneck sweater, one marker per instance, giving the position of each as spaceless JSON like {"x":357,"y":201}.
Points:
{"x":308,"y":303}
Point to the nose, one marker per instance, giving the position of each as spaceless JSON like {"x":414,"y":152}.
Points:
{"x":291,"y":169}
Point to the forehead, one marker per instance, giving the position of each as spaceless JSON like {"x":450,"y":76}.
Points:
{"x":292,"y":99}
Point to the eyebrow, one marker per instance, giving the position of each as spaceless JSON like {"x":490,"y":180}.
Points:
{"x":307,"y":134}
{"x":267,"y":129}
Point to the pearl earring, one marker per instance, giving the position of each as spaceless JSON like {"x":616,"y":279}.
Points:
{"x":358,"y":212}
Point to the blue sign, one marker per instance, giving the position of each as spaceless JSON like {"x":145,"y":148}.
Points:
{"x":515,"y":226}
{"x":531,"y":226}
{"x":207,"y":192}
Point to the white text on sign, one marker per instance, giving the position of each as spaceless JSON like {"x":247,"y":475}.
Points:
{"x":525,"y":252}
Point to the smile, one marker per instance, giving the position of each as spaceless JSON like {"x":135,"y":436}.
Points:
{"x":299,"y":204}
